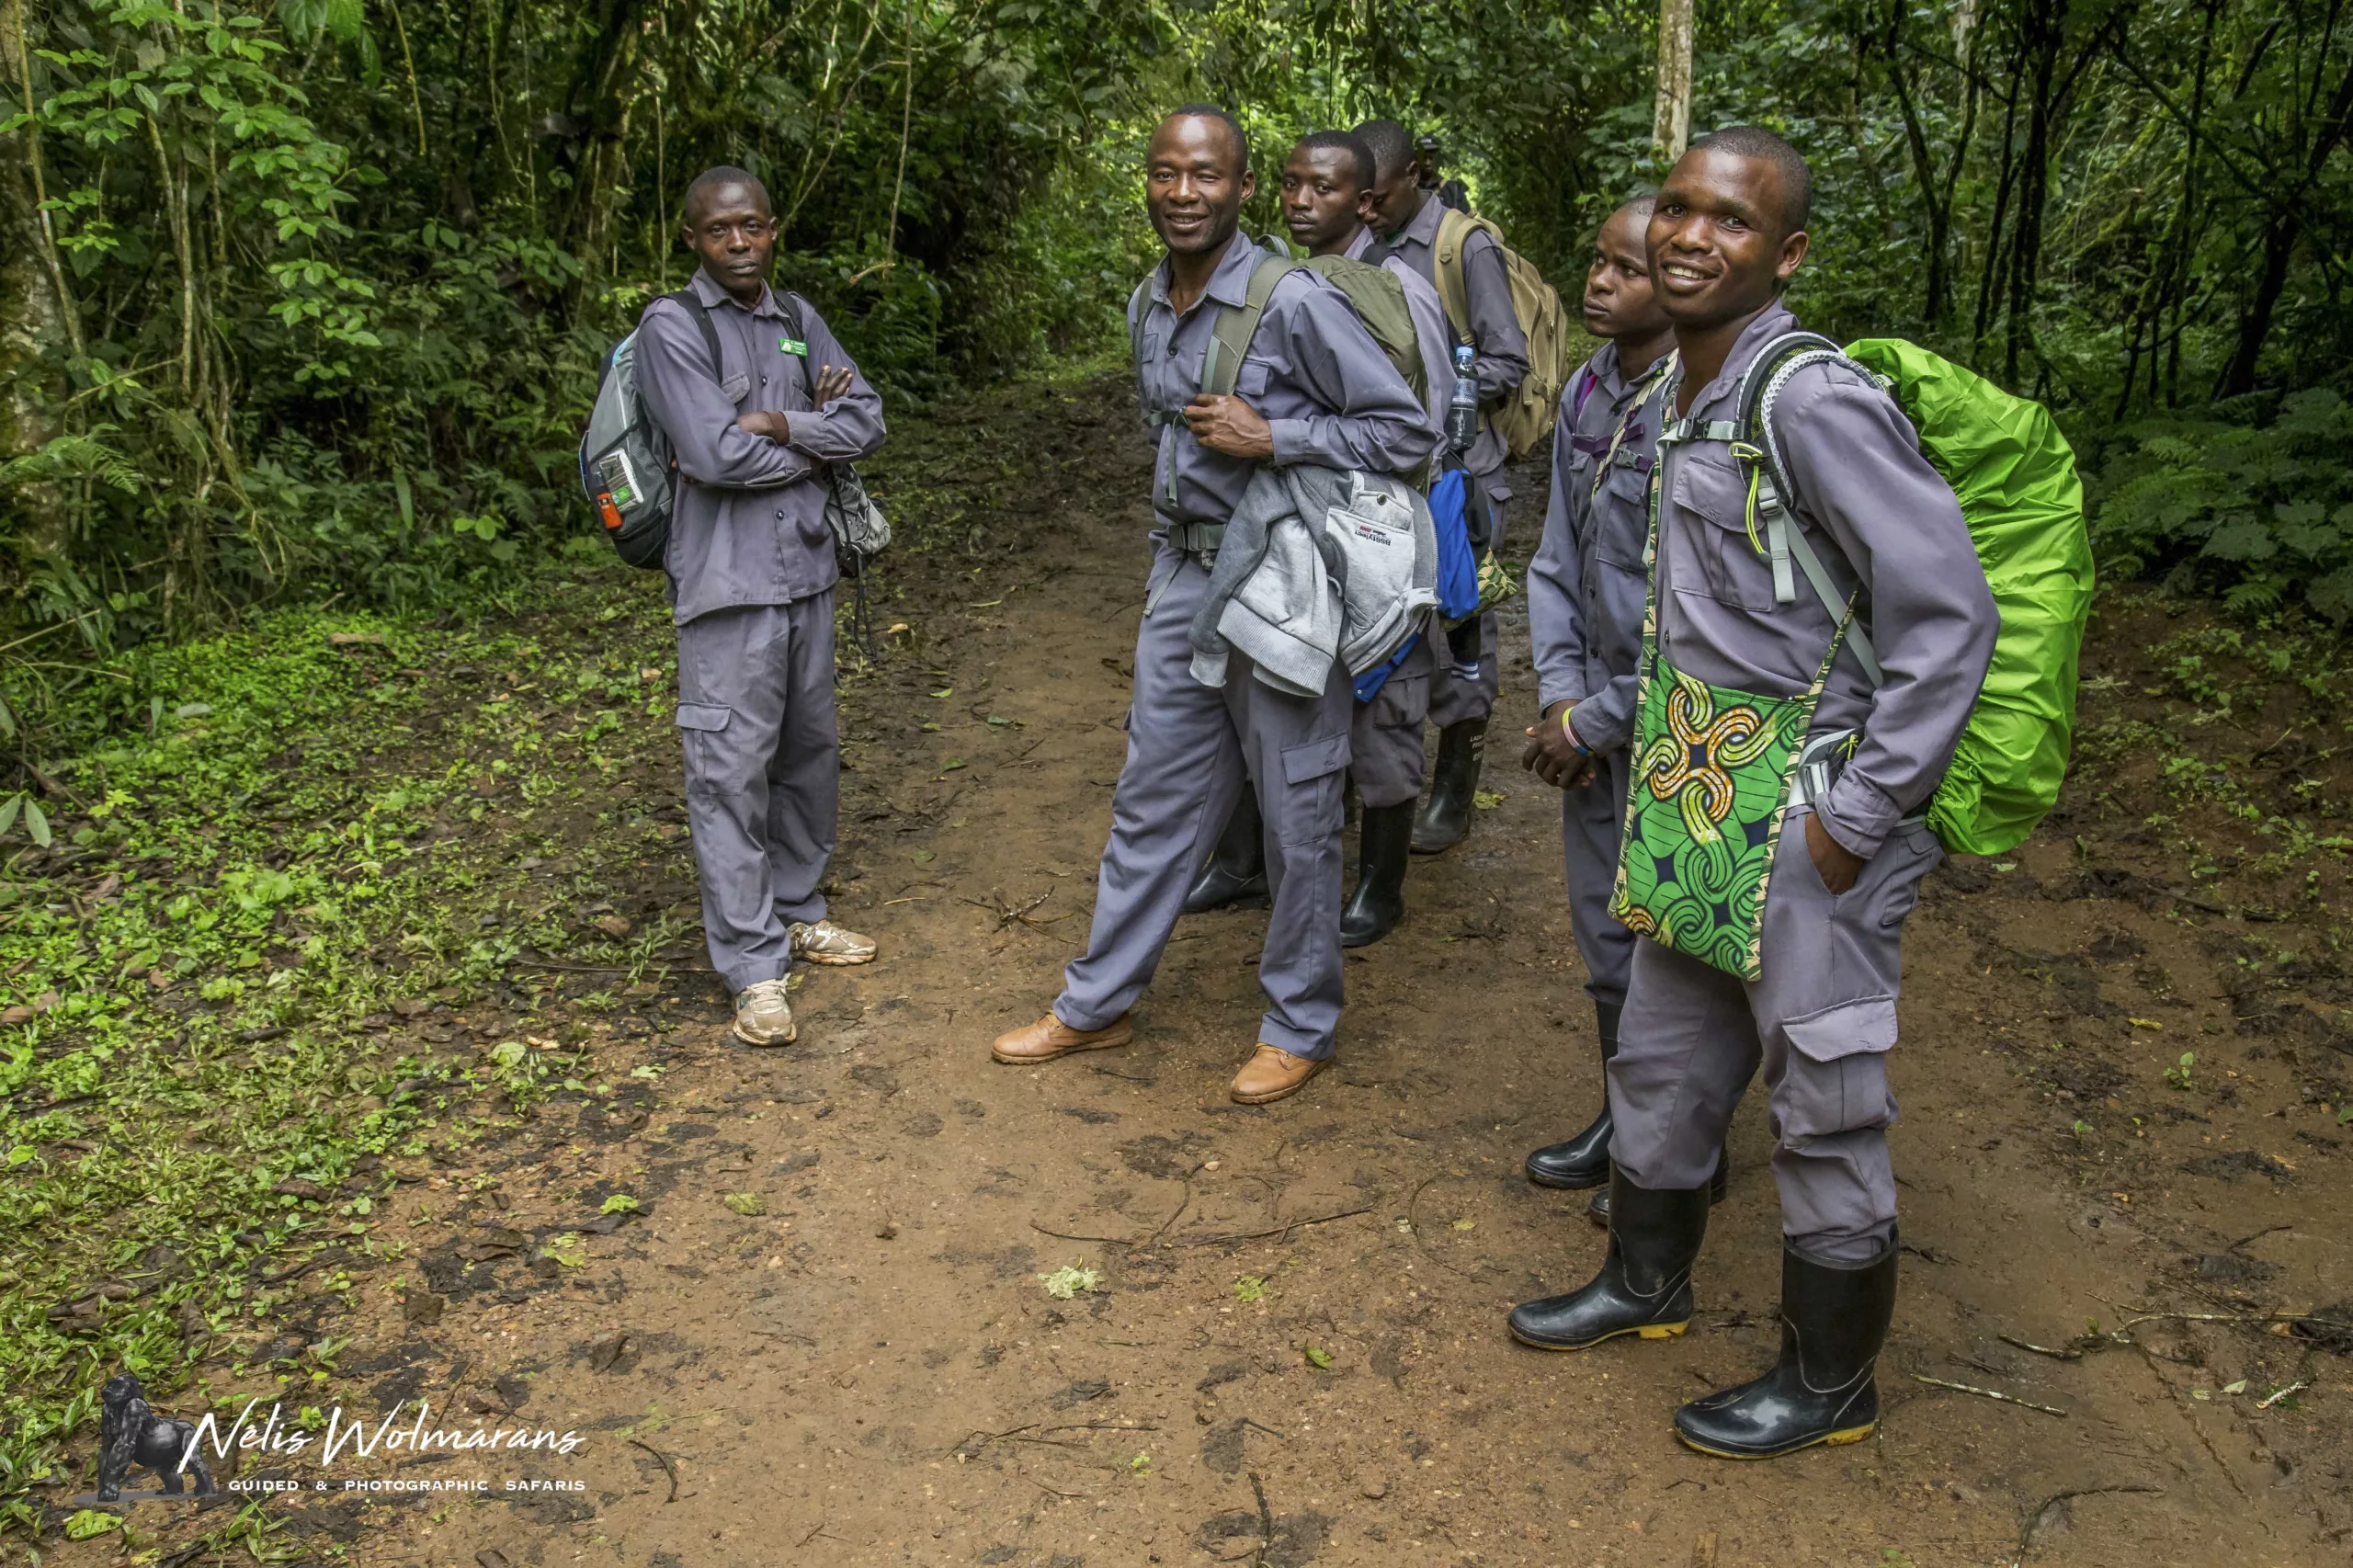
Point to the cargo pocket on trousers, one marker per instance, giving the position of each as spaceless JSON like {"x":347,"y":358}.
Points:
{"x":700,"y":727}
{"x":1311,"y":773}
{"x":1836,"y":1078}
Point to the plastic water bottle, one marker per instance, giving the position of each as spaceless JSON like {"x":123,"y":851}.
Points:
{"x":1462,"y":413}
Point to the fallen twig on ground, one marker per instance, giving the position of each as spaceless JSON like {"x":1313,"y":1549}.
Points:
{"x":1987,"y":1393}
{"x":1271,"y":1231}
{"x":667,"y":1468}
{"x":2065,"y":1353}
{"x":1153,"y":1240}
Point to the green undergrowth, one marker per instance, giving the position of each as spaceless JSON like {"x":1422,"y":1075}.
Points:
{"x":329,"y":818}
{"x":2244,"y":730}
{"x":270,"y":845}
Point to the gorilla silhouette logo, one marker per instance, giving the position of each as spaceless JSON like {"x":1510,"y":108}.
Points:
{"x":132,"y":1437}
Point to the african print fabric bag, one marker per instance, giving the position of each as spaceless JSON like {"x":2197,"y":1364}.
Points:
{"x":1709,"y":787}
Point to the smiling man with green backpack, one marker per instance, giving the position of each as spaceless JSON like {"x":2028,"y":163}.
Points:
{"x":1843,"y":546}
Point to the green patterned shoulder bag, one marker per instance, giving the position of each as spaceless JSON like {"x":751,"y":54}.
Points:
{"x":1710,"y":785}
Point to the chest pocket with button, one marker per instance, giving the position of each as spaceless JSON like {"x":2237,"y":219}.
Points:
{"x":1618,"y":514}
{"x":1714,"y":555}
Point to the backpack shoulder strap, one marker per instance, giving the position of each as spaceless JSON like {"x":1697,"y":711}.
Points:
{"x":1446,"y":267}
{"x":1230,"y":339}
{"x":1135,"y":319}
{"x":700,"y":314}
{"x":1760,"y":390}
{"x":1580,"y":390}
{"x":1454,"y":231}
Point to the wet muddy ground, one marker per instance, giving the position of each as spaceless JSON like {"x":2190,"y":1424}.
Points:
{"x":826,"y":1333}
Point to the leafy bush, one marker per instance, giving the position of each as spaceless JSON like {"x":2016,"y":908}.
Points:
{"x":2259,"y":512}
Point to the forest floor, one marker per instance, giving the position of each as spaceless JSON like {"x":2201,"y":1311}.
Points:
{"x":795,"y":1303}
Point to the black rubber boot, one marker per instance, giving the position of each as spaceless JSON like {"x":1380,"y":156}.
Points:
{"x":1237,"y":869}
{"x":1644,"y":1286}
{"x":1446,"y":816}
{"x":1379,"y":902}
{"x":1584,"y":1160}
{"x":1833,"y":1321}
{"x":1598,"y":1210}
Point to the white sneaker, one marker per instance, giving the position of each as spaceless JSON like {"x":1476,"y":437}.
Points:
{"x":827,"y":943}
{"x":763,"y":1016}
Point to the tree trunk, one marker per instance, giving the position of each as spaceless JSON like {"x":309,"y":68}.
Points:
{"x":1671,"y":125}
{"x":1935,"y":206}
{"x":2279,"y":241}
{"x":1996,"y":251}
{"x":2046,"y":28}
{"x":604,"y":86}
{"x":2254,"y":324}
{"x":36,"y":329}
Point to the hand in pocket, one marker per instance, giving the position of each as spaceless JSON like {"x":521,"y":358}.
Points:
{"x":1832,"y":862}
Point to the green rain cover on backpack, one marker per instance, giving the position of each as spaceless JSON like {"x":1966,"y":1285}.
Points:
{"x":2014,"y":477}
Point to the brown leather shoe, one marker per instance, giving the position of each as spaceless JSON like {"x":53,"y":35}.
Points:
{"x":1050,"y":1037}
{"x":1272,"y":1072}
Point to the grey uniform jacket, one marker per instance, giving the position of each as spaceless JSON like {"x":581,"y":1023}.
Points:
{"x":749,"y":525}
{"x":1316,"y":565}
{"x":1878,"y":517}
{"x":1313,"y":372}
{"x":1587,"y":584}
{"x":1499,"y":348}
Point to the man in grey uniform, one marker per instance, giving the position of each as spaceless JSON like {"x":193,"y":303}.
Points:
{"x":1586,"y":590}
{"x":1407,"y":216}
{"x":1327,"y":190}
{"x":1327,"y":194}
{"x":752,"y":573}
{"x":1313,"y":387}
{"x":1727,"y":234}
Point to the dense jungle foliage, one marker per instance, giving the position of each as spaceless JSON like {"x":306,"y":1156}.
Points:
{"x":304,"y":298}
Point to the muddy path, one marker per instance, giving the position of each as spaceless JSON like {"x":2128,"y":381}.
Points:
{"x":825,"y":1333}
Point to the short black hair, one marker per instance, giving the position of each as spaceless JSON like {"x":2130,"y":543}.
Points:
{"x":1353,"y":145}
{"x":1392,"y":146}
{"x":714,"y":178}
{"x":1644,"y":202}
{"x":1212,"y":111}
{"x":1755,"y":141}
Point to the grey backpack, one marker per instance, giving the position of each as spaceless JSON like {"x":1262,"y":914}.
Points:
{"x":629,"y":474}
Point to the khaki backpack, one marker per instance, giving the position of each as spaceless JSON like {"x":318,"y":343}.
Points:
{"x":1379,"y":298}
{"x":1527,"y":419}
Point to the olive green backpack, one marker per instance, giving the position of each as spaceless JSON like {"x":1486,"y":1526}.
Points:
{"x":1375,"y":291}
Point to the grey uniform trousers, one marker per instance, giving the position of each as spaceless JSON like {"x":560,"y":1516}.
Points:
{"x":1454,"y":700}
{"x":1385,"y":735}
{"x":1820,"y":1022}
{"x":1592,"y":819}
{"x":755,"y":713}
{"x":1188,"y":747}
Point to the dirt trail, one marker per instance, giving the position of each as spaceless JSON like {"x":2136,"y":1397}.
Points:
{"x":1295,"y":1354}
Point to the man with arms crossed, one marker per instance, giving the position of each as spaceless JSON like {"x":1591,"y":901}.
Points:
{"x":751,"y":566}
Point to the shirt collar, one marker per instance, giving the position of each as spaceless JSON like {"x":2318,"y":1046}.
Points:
{"x":1424,"y":227}
{"x":1229,"y":285}
{"x":1606,"y":379}
{"x":1362,"y":243}
{"x":708,"y":291}
{"x":1776,"y":320}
